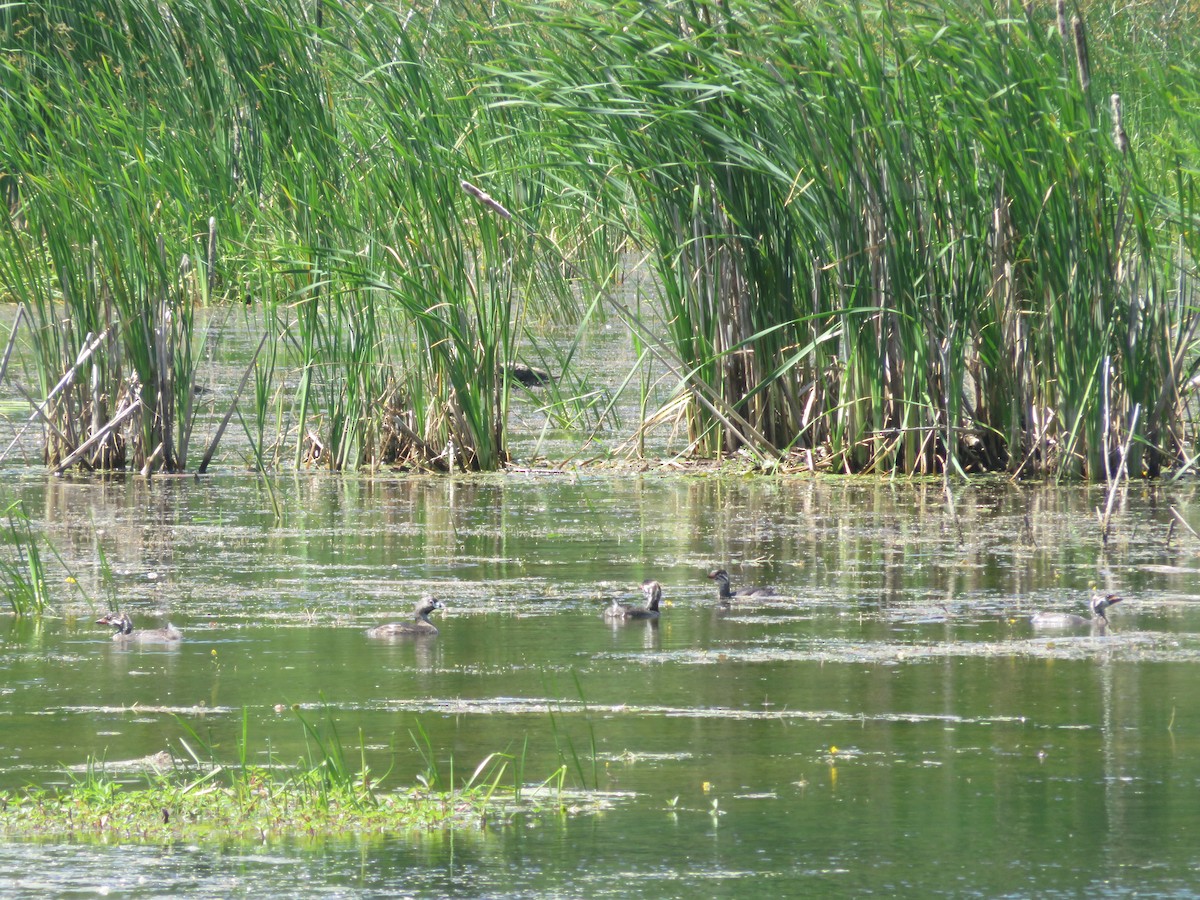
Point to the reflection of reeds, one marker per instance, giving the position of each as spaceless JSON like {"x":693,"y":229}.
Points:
{"x":23,"y":579}
{"x":565,"y":745}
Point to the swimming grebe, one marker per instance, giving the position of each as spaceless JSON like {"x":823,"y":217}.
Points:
{"x":653,"y":591}
{"x":125,"y":634}
{"x":1098,"y":605}
{"x":724,"y":594}
{"x":419,"y":625}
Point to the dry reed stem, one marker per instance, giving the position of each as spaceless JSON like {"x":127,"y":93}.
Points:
{"x":212,"y":445}
{"x":12,"y":340}
{"x":39,"y":411}
{"x":486,"y":199}
{"x":1115,"y":481}
{"x":122,"y":414}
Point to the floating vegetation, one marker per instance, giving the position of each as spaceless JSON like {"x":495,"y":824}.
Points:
{"x":260,"y":807}
{"x":168,"y":797}
{"x":256,"y":808}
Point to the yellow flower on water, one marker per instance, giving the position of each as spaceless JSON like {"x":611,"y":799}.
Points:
{"x":71,"y":580}
{"x":706,"y":787}
{"x":833,"y":749}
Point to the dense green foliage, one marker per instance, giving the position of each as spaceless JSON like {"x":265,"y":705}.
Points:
{"x":906,"y":237}
{"x":162,"y":156}
{"x":936,"y":237}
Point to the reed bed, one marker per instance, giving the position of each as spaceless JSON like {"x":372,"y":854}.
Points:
{"x":910,"y":238}
{"x":307,"y":157}
{"x":936,"y":237}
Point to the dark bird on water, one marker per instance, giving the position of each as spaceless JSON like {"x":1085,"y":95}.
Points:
{"x":725,"y":594}
{"x":621,"y":611}
{"x":420,"y":624}
{"x":125,"y":634}
{"x":1098,"y":605}
{"x":530,"y":376}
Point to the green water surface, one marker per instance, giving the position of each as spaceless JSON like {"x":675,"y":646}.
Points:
{"x":890,"y":724}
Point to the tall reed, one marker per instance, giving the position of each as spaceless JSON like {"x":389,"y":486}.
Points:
{"x":918,"y":238}
{"x":898,"y":238}
{"x":113,"y":181}
{"x":159,"y":157}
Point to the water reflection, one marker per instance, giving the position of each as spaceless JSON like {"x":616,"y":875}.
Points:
{"x":626,"y":632}
{"x":877,"y":543}
{"x":784,"y":745}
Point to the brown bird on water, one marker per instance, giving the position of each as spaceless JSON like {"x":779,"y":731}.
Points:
{"x":125,"y":634}
{"x":620,"y":611}
{"x":725,"y":594}
{"x":420,"y":624}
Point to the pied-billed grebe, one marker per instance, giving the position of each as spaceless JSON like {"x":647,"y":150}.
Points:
{"x":1099,"y":604}
{"x":418,"y":626}
{"x":724,"y":594}
{"x":530,"y":376}
{"x":125,"y":634}
{"x":621,"y":611}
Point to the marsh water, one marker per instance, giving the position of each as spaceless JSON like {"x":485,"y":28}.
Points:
{"x":889,"y":724}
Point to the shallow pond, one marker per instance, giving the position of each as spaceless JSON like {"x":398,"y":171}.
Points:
{"x":890,"y":723}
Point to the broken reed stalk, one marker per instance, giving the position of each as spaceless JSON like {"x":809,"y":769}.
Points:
{"x":1116,"y":479}
{"x":212,"y":445}
{"x":39,"y":411}
{"x":12,"y":341}
{"x":1183,"y":522}
{"x":112,"y":425}
{"x":486,"y":199}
